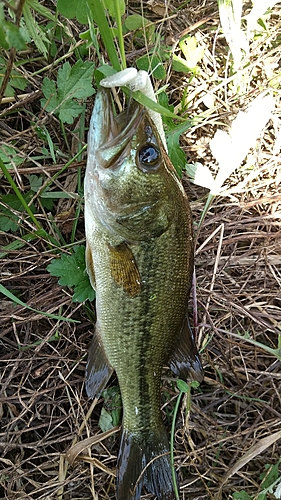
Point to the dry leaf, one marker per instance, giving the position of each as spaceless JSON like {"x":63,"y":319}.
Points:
{"x":78,"y":448}
{"x":254,"y":451}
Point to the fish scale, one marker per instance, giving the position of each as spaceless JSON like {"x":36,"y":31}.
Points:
{"x":140,"y":259}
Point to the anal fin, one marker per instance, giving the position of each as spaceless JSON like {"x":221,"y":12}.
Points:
{"x":185,"y":360}
{"x":98,"y":369}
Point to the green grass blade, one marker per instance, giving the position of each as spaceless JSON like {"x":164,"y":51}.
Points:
{"x":120,"y":34}
{"x":176,"y":409}
{"x":12,"y":297}
{"x":15,"y":245}
{"x":53,"y":338}
{"x":41,"y":232}
{"x":18,"y":194}
{"x":270,"y":350}
{"x":148,"y":103}
{"x":106,"y":33}
{"x":34,"y":30}
{"x":34,"y":4}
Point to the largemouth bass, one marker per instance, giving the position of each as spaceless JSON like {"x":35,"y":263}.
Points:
{"x":139,"y":258}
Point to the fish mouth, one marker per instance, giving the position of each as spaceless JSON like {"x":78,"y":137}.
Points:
{"x":111,"y":133}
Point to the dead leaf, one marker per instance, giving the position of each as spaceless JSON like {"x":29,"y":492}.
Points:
{"x":72,"y":454}
{"x":254,"y":451}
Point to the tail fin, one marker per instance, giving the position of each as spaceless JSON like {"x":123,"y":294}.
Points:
{"x":144,"y":460}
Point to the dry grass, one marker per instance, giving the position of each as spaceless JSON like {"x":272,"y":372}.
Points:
{"x":43,"y":406}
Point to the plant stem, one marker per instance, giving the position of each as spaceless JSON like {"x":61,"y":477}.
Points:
{"x":206,"y":208}
{"x":172,"y":445}
{"x":120,"y":35}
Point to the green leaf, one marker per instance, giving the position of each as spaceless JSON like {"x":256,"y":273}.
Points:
{"x":9,"y":155}
{"x":153,"y":65}
{"x":102,"y":71}
{"x":71,"y":271}
{"x":191,"y":52}
{"x":35,"y":182}
{"x":149,"y":103}
{"x":105,"y":420}
{"x":111,"y":6}
{"x":8,"y":219}
{"x":271,"y":475}
{"x":176,"y":153}
{"x":43,"y":11}
{"x":112,"y":406}
{"x":69,"y":80}
{"x":69,"y":112}
{"x":68,"y":8}
{"x":59,"y":195}
{"x":72,"y":83}
{"x":72,"y":8}
{"x":50,"y":92}
{"x":183,"y":386}
{"x":16,"y":79}
{"x":10,"y":35}
{"x":135,"y":22}
{"x":144,"y":31}
{"x":241,"y":495}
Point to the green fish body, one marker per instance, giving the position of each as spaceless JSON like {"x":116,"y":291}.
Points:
{"x":140,"y":259}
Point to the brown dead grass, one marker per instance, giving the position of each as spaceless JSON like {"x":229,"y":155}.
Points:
{"x":235,"y":414}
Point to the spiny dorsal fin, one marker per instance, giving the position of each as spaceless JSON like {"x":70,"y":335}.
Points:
{"x":124,"y":269}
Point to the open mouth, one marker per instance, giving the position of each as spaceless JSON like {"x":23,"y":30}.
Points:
{"x":120,"y":130}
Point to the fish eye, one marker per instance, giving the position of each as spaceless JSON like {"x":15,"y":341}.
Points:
{"x":148,"y":158}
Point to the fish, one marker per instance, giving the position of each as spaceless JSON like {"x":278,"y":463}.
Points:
{"x":139,"y":257}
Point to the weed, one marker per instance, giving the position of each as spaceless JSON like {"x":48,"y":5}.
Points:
{"x":72,"y":83}
{"x":71,"y":270}
{"x":270,"y":484}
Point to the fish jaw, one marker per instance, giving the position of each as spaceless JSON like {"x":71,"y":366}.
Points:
{"x":109,"y":134}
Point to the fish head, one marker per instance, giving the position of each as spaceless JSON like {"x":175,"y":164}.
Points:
{"x":131,"y":187}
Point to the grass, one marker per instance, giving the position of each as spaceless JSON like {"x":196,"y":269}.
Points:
{"x":226,"y":441}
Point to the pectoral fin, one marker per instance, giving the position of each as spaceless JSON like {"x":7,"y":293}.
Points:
{"x":98,"y":369}
{"x":90,"y":265}
{"x":185,"y":360}
{"x":124,"y":269}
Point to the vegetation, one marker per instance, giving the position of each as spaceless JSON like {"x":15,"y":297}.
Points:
{"x":207,"y":63}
